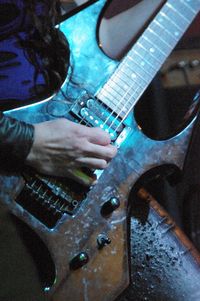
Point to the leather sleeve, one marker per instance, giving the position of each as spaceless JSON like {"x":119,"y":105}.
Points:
{"x":16,"y":138}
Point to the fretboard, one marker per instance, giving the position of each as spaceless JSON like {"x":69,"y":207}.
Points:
{"x":146,"y":57}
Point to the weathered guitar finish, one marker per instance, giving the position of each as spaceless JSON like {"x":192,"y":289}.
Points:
{"x":85,"y":229}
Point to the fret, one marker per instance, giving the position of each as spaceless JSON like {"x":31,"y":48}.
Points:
{"x":132,"y":91}
{"x":177,"y":13}
{"x":147,"y":52}
{"x":176,"y":17}
{"x":161,"y":49}
{"x":131,"y":73}
{"x":106,"y":100}
{"x":126,"y":80}
{"x":148,"y":63}
{"x":195,"y":5}
{"x":133,"y":78}
{"x":116,"y":85}
{"x":127,"y":103}
{"x":109,"y":97}
{"x":136,"y":71}
{"x":167,"y":23}
{"x":119,"y":77}
{"x":115,"y":108}
{"x":113,"y":90}
{"x":121,"y":85}
{"x":154,"y":49}
{"x":156,"y":40}
{"x":171,"y":23}
{"x":138,"y":66}
{"x":162,"y":31}
{"x":147,"y":55}
{"x":154,"y":33}
{"x":120,"y":107}
{"x":113,"y":94}
{"x":116,"y":98}
{"x":120,"y":101}
{"x":145,"y":58}
{"x":135,"y":89}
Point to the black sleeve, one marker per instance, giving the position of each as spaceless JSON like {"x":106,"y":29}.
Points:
{"x":16,"y":138}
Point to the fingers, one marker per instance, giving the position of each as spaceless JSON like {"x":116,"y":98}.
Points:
{"x":98,"y":136}
{"x":62,"y":147}
{"x":98,"y":151}
{"x":93,"y":163}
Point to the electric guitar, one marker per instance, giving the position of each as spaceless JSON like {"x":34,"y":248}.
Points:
{"x":85,"y":229}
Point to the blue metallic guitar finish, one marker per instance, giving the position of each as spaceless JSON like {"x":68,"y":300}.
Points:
{"x":93,"y":223}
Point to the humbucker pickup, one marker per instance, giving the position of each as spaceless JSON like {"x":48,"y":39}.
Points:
{"x":91,"y":112}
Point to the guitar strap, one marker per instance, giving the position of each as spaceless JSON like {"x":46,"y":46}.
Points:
{"x":190,"y":187}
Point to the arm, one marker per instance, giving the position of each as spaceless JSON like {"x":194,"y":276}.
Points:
{"x":16,"y":138}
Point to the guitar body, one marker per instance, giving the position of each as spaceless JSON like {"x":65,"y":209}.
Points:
{"x":78,"y":228}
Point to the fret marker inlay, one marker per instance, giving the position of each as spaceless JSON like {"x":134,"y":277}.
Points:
{"x":141,"y":63}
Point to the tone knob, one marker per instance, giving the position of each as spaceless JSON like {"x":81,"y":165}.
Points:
{"x":110,"y":206}
{"x":79,"y":260}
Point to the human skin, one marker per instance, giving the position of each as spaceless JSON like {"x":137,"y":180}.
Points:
{"x":62,"y":147}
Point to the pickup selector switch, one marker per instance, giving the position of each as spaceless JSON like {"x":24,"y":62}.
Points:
{"x":103,"y":240}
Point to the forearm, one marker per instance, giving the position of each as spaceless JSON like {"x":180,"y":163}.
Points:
{"x":16,"y":138}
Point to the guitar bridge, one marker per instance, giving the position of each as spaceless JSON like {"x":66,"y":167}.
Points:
{"x":48,"y":199}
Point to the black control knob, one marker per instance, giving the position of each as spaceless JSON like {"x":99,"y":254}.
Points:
{"x":103,"y":240}
{"x":110,"y":206}
{"x":79,"y":260}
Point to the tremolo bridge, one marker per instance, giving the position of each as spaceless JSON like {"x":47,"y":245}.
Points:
{"x":49,"y":198}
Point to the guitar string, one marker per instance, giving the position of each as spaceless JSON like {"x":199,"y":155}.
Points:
{"x":127,"y":91}
{"x":138,"y":82}
{"x":119,"y":113}
{"x":134,"y":94}
{"x":84,"y":120}
{"x":140,"y":56}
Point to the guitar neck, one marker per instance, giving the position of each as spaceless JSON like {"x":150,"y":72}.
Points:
{"x":146,"y":57}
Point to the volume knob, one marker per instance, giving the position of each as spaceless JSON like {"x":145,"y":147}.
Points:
{"x":110,"y":206}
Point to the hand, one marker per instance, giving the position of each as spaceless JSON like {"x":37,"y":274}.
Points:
{"x":62,"y":147}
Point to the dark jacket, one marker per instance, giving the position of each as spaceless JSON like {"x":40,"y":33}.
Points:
{"x":16,"y":138}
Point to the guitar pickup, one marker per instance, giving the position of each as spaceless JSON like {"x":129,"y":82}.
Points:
{"x":91,"y":112}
